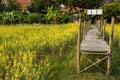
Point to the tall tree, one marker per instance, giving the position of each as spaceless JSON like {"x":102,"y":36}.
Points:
{"x":82,"y":3}
{"x":39,"y":5}
{"x":91,"y":3}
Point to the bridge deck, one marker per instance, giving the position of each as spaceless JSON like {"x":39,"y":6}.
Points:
{"x":93,"y":42}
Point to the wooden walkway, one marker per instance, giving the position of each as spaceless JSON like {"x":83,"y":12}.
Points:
{"x":93,"y":43}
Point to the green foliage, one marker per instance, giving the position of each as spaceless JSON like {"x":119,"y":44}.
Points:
{"x":83,"y":15}
{"x":82,"y":3}
{"x":56,"y":16}
{"x":4,"y":17}
{"x":2,"y":7}
{"x":13,"y":17}
{"x":70,"y":2}
{"x":36,"y":18}
{"x":18,"y":17}
{"x":91,"y":3}
{"x":12,"y":5}
{"x":51,"y":15}
{"x":64,"y":17}
{"x":112,"y":9}
{"x":33,"y":18}
{"x":39,"y":5}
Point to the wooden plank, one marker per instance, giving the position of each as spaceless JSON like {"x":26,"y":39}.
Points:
{"x":94,"y":53}
{"x":104,"y":24}
{"x":94,"y":46}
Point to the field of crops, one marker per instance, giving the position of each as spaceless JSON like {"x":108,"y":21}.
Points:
{"x":25,"y":50}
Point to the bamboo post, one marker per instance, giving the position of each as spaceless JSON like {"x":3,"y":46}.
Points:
{"x":84,"y":29}
{"x":78,"y":47}
{"x":110,"y":45}
{"x":104,"y":24}
{"x":96,"y":22}
{"x":101,"y":25}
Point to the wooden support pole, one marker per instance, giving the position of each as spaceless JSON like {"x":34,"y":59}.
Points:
{"x":88,"y":23}
{"x":104,"y":24}
{"x":87,"y":27}
{"x":84,"y":29}
{"x":110,"y":45}
{"x":78,"y":47}
{"x":101,"y":25}
{"x":96,"y":22}
{"x":111,"y":33}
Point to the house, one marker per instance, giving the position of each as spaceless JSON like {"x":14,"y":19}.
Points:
{"x":24,"y":3}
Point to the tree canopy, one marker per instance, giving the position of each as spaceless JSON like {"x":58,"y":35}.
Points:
{"x":111,"y":9}
{"x":39,"y":5}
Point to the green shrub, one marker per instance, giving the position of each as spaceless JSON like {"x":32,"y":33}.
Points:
{"x":33,"y":18}
{"x":22,"y":16}
{"x":13,"y":5}
{"x":42,"y":18}
{"x":64,"y":17}
{"x":13,"y":17}
{"x":1,"y":18}
{"x":51,"y":15}
{"x":2,"y":7}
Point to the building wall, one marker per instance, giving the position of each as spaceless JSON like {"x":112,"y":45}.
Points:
{"x":24,"y":3}
{"x":3,"y":1}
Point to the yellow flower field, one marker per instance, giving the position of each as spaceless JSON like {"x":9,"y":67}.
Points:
{"x":25,"y":50}
{"x":116,"y":29}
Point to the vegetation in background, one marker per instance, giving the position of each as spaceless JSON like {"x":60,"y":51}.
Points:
{"x":51,"y":15}
{"x":2,"y":6}
{"x":39,"y":5}
{"x":14,"y":17}
{"x":45,"y":12}
{"x":21,"y":17}
{"x":9,"y":6}
{"x":12,"y":5}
